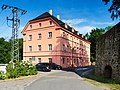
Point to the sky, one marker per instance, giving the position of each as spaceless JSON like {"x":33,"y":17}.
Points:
{"x":84,"y":15}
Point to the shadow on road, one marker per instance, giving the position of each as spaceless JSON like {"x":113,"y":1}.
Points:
{"x":80,"y":70}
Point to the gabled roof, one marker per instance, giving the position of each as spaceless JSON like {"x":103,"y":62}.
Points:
{"x":62,"y":24}
{"x":45,"y":15}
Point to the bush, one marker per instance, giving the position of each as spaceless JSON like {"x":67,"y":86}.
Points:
{"x":2,"y":75}
{"x":18,"y":69}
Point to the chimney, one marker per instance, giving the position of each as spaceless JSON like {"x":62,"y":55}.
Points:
{"x":58,"y":17}
{"x":50,"y":11}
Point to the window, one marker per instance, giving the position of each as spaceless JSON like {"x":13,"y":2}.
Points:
{"x":30,"y":37}
{"x":30,"y":48}
{"x":30,"y":59}
{"x":39,"y":24}
{"x":63,"y":34}
{"x":30,"y":26}
{"x":77,"y":61}
{"x":33,"y":58}
{"x":63,"y":47}
{"x":39,"y":47}
{"x":50,"y":47}
{"x":50,"y":60}
{"x":67,"y":49}
{"x":40,"y":36}
{"x":50,"y":34}
{"x":50,"y":22}
{"x":39,"y":60}
{"x":63,"y":60}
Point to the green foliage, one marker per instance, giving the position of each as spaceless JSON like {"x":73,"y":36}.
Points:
{"x":18,"y":69}
{"x":2,"y":75}
{"x":21,"y":48}
{"x":94,"y":35}
{"x":114,"y":8}
{"x":5,"y":50}
{"x":101,"y":81}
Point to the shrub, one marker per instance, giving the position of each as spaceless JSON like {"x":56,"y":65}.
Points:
{"x":18,"y":69}
{"x":2,"y":75}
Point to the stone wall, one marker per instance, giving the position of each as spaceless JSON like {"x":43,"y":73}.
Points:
{"x":108,"y":53}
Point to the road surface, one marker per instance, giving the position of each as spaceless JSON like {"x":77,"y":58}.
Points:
{"x":61,"y":80}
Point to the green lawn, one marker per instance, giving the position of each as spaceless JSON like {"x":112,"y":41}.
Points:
{"x":102,"y":82}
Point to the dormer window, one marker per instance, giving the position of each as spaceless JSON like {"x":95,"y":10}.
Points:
{"x":66,"y":26}
{"x":50,"y":22}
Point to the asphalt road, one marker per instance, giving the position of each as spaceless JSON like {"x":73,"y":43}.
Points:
{"x":61,"y":80}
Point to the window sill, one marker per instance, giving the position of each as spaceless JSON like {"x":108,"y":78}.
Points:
{"x":49,"y":37}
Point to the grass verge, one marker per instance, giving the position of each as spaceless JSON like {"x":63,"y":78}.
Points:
{"x":102,"y":82}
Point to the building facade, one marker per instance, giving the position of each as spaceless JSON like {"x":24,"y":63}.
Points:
{"x":48,"y":39}
{"x":108,"y":54}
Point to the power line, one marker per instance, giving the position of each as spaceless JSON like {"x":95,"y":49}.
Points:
{"x":15,"y":23}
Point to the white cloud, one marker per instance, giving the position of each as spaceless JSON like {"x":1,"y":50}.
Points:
{"x":102,"y":23}
{"x":84,"y":29}
{"x":74,"y":21}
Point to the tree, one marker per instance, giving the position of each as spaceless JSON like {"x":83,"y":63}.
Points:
{"x":94,"y":35}
{"x":114,"y":8}
{"x":21,"y":48}
{"x":108,"y":28}
{"x":5,"y":51}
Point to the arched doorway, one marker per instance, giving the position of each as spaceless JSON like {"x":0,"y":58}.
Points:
{"x":108,"y":72}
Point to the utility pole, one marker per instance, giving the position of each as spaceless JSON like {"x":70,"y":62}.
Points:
{"x":15,"y":25}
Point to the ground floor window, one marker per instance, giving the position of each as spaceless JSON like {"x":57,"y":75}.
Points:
{"x":30,"y":59}
{"x":77,"y":61}
{"x":33,"y":58}
{"x":50,"y":60}
{"x":39,"y":60}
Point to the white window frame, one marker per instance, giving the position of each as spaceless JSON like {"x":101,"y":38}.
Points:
{"x":39,"y":47}
{"x":30,"y":48}
{"x":39,"y":36}
{"x":50,"y":47}
{"x":30,"y":37}
{"x":49,"y":34}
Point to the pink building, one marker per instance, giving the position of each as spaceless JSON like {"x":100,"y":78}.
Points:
{"x":48,"y":39}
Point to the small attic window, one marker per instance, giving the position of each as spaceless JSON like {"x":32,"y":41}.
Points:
{"x":50,"y":22}
{"x":30,"y":26}
{"x":39,"y":24}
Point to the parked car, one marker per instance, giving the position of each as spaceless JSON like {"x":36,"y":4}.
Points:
{"x":43,"y":67}
{"x":55,"y":66}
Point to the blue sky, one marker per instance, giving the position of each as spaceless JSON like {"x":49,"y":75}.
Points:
{"x":84,"y":15}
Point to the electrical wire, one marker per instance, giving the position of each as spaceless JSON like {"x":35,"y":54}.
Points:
{"x":5,"y":21}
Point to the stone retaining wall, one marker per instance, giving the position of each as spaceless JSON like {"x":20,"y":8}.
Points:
{"x":108,"y":53}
